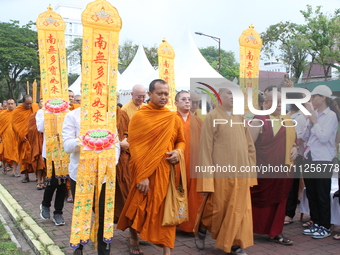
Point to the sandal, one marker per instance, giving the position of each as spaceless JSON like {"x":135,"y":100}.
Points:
{"x":133,"y":248}
{"x":25,"y":180}
{"x":336,"y":237}
{"x":39,"y":186}
{"x":281,"y":240}
{"x":308,"y":224}
{"x":287,"y":222}
{"x":200,"y":238}
{"x":69,"y":200}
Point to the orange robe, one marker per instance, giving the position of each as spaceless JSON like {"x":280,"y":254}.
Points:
{"x":20,"y":119}
{"x":36,"y":140}
{"x":122,"y":169}
{"x":153,"y":131}
{"x":192,"y":129}
{"x":130,"y":108}
{"x":9,"y":139}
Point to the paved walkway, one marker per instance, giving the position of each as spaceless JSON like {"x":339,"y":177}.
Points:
{"x":29,"y":199}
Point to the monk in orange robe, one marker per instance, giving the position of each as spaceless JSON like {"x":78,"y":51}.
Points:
{"x":36,"y":139}
{"x":20,"y":118}
{"x":156,"y":141}
{"x":138,"y":96}
{"x":8,"y":138}
{"x":122,"y":168}
{"x":192,"y":128}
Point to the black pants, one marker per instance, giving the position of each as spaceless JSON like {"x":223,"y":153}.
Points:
{"x":318,"y":188}
{"x":103,"y":248}
{"x":292,"y":200}
{"x":60,"y":186}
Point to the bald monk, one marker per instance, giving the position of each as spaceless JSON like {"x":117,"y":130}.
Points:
{"x":138,"y":96}
{"x":275,"y":147}
{"x":156,"y":140}
{"x":36,"y":139}
{"x":226,"y":210}
{"x":8,"y":138}
{"x":5,"y":104}
{"x":195,"y":106}
{"x":192,"y":128}
{"x":20,"y":118}
{"x":122,"y":168}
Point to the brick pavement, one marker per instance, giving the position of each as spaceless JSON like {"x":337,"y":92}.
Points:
{"x":30,"y":198}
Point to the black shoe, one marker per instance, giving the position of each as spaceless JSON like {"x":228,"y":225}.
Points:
{"x":78,"y":251}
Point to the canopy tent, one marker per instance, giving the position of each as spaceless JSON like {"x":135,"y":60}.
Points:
{"x":189,"y":63}
{"x":138,"y":70}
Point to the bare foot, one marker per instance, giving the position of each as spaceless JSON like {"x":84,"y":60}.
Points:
{"x":166,"y":250}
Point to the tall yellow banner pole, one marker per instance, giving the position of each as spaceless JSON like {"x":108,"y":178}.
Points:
{"x":34,"y":89}
{"x":250,"y":48}
{"x":166,"y":59}
{"x":54,"y":89}
{"x":98,"y":133}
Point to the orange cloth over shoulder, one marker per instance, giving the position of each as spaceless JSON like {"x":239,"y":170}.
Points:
{"x":153,"y":131}
{"x":20,"y":119}
{"x":9,"y":139}
{"x":192,"y":131}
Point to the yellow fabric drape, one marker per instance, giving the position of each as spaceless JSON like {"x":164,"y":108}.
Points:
{"x":101,"y":23}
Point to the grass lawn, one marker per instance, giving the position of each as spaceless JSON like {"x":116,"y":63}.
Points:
{"x":6,"y":245}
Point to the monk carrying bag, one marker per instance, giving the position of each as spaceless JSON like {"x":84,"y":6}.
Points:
{"x":176,"y":201}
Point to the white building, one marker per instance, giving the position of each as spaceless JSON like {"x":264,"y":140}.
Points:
{"x":74,"y":29}
{"x":273,"y":66}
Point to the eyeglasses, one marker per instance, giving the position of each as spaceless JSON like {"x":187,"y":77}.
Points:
{"x":140,"y":97}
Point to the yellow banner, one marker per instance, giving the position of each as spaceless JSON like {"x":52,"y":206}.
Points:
{"x":34,"y":91}
{"x":250,"y":48}
{"x":54,"y":88}
{"x":98,"y":133}
{"x":166,"y":59}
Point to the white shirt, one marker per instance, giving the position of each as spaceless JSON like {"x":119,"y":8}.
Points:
{"x":71,"y":130}
{"x":39,"y":119}
{"x":321,"y":137}
{"x":300,"y":124}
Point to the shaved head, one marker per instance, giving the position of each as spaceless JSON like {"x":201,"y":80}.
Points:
{"x":194,"y":101}
{"x":138,"y":94}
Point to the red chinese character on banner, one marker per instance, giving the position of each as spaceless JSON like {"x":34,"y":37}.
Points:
{"x":100,"y":42}
{"x":97,"y":116}
{"x":51,"y":39}
{"x":166,"y":72}
{"x":53,"y":70}
{"x":250,"y":56}
{"x":249,"y":73}
{"x":98,"y":87}
{"x":166,"y":78}
{"x":100,"y":58}
{"x":100,"y":72}
{"x":166,"y":64}
{"x":250,"y":66}
{"x":52,"y":50}
{"x":53,"y":60}
{"x":97,"y":103}
{"x":54,"y":81}
{"x":54,"y":89}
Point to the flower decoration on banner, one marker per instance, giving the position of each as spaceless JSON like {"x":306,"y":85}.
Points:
{"x":56,"y":105}
{"x":98,"y":140}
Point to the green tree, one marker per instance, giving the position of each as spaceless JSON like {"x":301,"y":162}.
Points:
{"x":229,"y":66}
{"x":127,"y":52}
{"x":322,"y":33}
{"x":72,"y":77}
{"x":291,"y":46}
{"x":74,"y":51}
{"x":19,"y":57}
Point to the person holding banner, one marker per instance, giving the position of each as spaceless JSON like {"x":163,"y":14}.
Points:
{"x":70,"y":133}
{"x":156,"y":140}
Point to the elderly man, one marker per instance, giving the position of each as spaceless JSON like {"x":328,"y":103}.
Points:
{"x":156,"y":141}
{"x":226,"y":210}
{"x":138,"y":96}
{"x":275,"y":147}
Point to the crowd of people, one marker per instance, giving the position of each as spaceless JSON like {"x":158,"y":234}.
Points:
{"x":153,"y":141}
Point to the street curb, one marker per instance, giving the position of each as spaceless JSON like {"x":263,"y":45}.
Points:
{"x":35,"y":236}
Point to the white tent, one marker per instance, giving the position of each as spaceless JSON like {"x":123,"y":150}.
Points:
{"x":189,"y":63}
{"x":138,"y":70}
{"x":76,"y":86}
